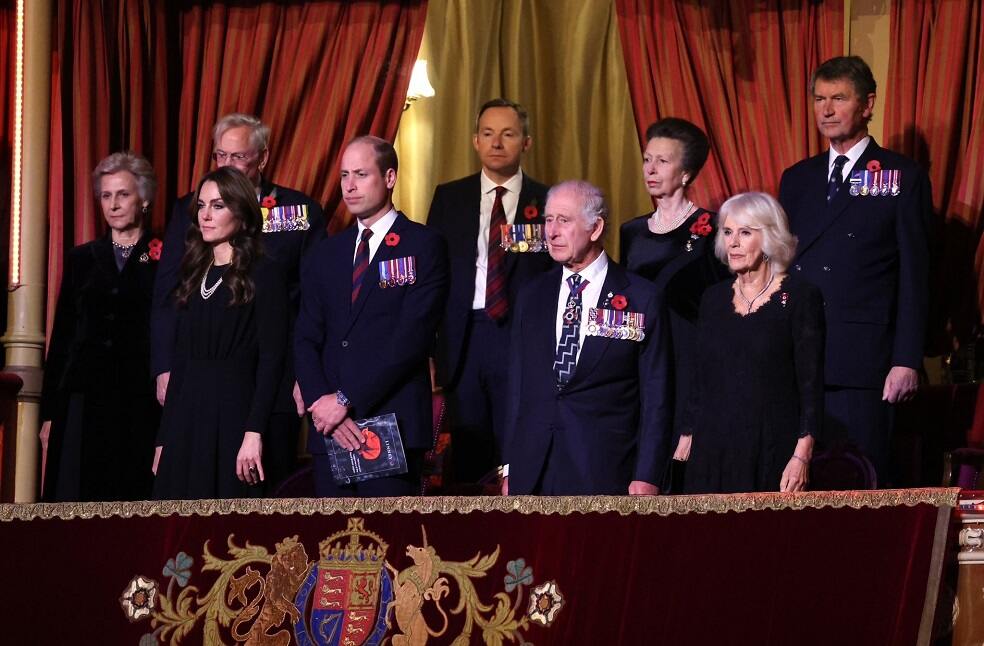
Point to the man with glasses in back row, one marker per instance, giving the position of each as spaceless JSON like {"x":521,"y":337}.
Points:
{"x":292,"y":224}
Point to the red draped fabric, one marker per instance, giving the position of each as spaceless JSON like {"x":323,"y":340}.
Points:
{"x":154,"y":77}
{"x":934,"y":112}
{"x":739,"y":70}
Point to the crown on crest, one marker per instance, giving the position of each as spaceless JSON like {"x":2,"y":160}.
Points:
{"x":337,"y":551}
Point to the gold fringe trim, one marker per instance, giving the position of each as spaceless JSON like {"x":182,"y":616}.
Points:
{"x":561,"y":505}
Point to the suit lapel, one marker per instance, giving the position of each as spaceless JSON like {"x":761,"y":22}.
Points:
{"x":470,"y":203}
{"x":370,"y":282}
{"x":544,"y":309}
{"x":594,"y":346}
{"x":814,"y":227}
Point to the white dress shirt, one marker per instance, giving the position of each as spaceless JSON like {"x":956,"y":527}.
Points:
{"x":595,"y":275}
{"x":853,"y":155}
{"x":379,"y":230}
{"x":510,"y":200}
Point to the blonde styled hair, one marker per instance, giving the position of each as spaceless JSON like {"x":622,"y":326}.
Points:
{"x":759,"y":211}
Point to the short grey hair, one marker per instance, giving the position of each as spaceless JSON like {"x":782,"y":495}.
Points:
{"x":132,"y":163}
{"x":762,"y":212}
{"x":259,"y":136}
{"x":590,"y":197}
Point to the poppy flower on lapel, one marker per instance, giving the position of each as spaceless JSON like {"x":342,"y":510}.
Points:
{"x":705,"y":218}
{"x":392,"y":239}
{"x":705,"y":230}
{"x":154,"y":248}
{"x":268,"y":202}
{"x":530,"y":212}
{"x":619,"y":302}
{"x":699,"y":228}
{"x":874,"y":166}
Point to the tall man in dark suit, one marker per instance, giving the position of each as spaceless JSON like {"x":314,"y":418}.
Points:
{"x":589,"y":398}
{"x":861,"y":214}
{"x":362,"y":345}
{"x":292,"y":223}
{"x":473,"y":340}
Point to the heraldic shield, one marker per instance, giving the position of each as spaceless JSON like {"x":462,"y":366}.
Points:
{"x":344,"y":600}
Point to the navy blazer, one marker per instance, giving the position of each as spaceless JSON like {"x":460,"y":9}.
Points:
{"x":376,"y":349}
{"x":869,"y":255}
{"x":610,"y":424}
{"x":455,"y":213}
{"x":286,"y":247}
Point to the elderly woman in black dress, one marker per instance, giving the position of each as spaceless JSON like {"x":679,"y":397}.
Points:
{"x":231,"y":344}
{"x":757,"y":402}
{"x":98,"y":407}
{"x":674,"y":245}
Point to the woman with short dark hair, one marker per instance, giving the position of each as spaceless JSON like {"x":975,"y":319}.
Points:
{"x":673,"y":246}
{"x":98,"y":410}
{"x":231,"y":343}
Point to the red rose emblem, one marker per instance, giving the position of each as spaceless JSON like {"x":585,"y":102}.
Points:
{"x":874,"y":166}
{"x":268,"y":202}
{"x":619,"y":302}
{"x":392,"y":239}
{"x":154,"y":248}
{"x":530,"y":212}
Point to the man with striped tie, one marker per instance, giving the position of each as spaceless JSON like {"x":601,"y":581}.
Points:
{"x":473,"y":339}
{"x":371,"y":299}
{"x":589,"y":402}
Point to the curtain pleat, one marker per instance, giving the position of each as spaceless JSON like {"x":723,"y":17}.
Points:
{"x":739,"y":70}
{"x":934,"y":112}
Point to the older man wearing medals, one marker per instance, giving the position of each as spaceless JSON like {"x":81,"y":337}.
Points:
{"x":861,"y":213}
{"x":589,"y":399}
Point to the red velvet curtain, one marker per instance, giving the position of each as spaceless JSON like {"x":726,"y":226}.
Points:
{"x":934,"y":112}
{"x":154,"y":77}
{"x":739,"y":70}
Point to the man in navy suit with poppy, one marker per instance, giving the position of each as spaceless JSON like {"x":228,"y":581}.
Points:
{"x":473,"y":340}
{"x":589,"y":398}
{"x":362,"y":342}
{"x":862,"y":215}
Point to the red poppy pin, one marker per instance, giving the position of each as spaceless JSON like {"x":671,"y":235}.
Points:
{"x":874,"y":166}
{"x":699,"y":228}
{"x":705,"y":218}
{"x":154,"y":248}
{"x":392,"y":239}
{"x":530,"y":212}
{"x":268,"y":202}
{"x":619,"y":302}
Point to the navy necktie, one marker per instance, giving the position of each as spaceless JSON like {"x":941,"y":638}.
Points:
{"x":361,"y":263}
{"x":570,"y":332}
{"x":836,"y":177}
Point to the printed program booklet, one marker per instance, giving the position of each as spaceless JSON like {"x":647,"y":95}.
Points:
{"x":381,"y":453}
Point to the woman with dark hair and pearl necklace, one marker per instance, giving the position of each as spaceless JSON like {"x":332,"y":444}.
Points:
{"x":97,"y":405}
{"x":231,"y":344}
{"x":757,"y":400}
{"x":673,"y":246}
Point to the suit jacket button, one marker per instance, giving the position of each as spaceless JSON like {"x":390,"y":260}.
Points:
{"x":114,"y":291}
{"x":344,"y":344}
{"x":108,"y":343}
{"x":110,"y":316}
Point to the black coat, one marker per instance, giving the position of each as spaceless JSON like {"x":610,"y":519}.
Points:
{"x":869,"y":255}
{"x":455,"y":212}
{"x":98,"y":391}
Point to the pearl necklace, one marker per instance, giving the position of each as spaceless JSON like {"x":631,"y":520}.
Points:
{"x":741,"y":294}
{"x":656,"y":225}
{"x":207,"y":292}
{"x":125,"y":249}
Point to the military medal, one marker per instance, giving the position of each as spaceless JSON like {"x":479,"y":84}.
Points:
{"x":864,"y":182}
{"x":289,"y":217}
{"x":855,"y":180}
{"x":616,"y":324}
{"x":896,"y":183}
{"x":522,"y":238}
{"x":398,"y":272}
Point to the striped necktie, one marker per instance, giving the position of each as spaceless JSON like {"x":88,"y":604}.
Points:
{"x":361,"y":263}
{"x":836,"y":177}
{"x":570,"y":332}
{"x":496,"y":298}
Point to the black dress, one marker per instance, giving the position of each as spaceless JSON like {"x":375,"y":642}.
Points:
{"x":224,"y":381}
{"x":98,"y":392}
{"x":681,"y":274}
{"x":759,"y":388}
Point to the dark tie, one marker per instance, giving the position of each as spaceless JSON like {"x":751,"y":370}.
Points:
{"x":570,"y":332}
{"x":496,"y":299}
{"x":361,"y":263}
{"x":836,"y":178}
